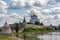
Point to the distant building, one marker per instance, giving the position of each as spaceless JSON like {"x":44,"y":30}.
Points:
{"x":23,"y":24}
{"x":51,"y":25}
{"x":6,"y":29}
{"x":34,"y":18}
{"x":59,"y":25}
{"x":9,"y":28}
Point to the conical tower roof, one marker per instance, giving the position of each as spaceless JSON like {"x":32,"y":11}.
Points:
{"x":6,"y":24}
{"x":24,"y":20}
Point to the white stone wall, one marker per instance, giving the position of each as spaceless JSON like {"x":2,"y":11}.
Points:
{"x":6,"y":30}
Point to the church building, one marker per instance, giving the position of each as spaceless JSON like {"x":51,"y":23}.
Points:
{"x":34,"y":18}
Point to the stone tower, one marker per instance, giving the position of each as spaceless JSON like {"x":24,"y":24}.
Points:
{"x":23,"y":24}
{"x":6,"y":29}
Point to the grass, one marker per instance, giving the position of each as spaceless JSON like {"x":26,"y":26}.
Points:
{"x":35,"y":31}
{"x":3,"y":37}
{"x":38,"y":30}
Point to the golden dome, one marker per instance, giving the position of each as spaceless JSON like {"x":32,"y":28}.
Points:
{"x":34,"y":14}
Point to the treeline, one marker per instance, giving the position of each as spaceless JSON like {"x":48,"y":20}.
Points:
{"x":36,"y":23}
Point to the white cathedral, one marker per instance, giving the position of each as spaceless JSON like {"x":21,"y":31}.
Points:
{"x":34,"y":18}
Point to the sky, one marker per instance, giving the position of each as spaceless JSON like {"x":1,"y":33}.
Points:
{"x":48,"y":11}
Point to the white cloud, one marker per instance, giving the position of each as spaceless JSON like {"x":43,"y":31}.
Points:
{"x":27,"y":13}
{"x":58,"y":16}
{"x":17,"y":3}
{"x":53,"y":3}
{"x":3,"y":7}
{"x":46,"y":11}
{"x":42,"y":2}
{"x":11,"y":18}
{"x":28,"y":3}
{"x":16,"y":15}
{"x":56,"y":10}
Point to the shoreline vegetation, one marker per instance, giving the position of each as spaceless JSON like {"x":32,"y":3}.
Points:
{"x":4,"y":37}
{"x":35,"y":31}
{"x":38,"y":30}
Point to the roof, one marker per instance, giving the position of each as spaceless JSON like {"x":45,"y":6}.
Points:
{"x":24,"y":20}
{"x":34,"y":14}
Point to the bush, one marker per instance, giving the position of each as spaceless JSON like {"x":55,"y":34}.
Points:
{"x":16,"y":27}
{"x":0,"y":30}
{"x":38,"y":30}
{"x":29,"y":23}
{"x":41,"y":24}
{"x":37,"y":23}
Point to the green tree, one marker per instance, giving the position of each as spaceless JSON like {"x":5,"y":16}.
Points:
{"x":37,"y":23}
{"x":41,"y":24}
{"x":29,"y":23}
{"x":0,"y":30}
{"x":16,"y":27}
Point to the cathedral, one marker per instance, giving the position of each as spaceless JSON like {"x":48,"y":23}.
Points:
{"x":34,"y":18}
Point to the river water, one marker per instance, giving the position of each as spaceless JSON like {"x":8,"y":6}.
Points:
{"x":44,"y":36}
{"x":49,"y":36}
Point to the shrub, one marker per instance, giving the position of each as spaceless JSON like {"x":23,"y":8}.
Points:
{"x":29,"y":23}
{"x":37,"y":23}
{"x":0,"y":30}
{"x":41,"y":24}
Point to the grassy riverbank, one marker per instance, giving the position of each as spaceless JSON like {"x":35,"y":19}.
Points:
{"x":35,"y":31}
{"x":3,"y":37}
{"x":38,"y":30}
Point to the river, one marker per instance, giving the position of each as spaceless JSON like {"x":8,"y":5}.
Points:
{"x":44,"y":36}
{"x":49,"y":36}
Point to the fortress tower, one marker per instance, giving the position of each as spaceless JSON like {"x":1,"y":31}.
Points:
{"x":6,"y":29}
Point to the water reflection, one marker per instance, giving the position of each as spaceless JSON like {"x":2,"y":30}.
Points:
{"x":29,"y":37}
{"x":44,"y":36}
{"x":50,"y":36}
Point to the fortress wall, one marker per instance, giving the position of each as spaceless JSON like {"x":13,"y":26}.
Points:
{"x":35,"y":26}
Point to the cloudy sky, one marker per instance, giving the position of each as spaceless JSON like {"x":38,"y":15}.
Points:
{"x":48,"y":11}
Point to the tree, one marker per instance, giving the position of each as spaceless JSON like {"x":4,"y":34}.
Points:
{"x":29,"y":23}
{"x":37,"y":23}
{"x":0,"y":30}
{"x":41,"y":24}
{"x":16,"y":27}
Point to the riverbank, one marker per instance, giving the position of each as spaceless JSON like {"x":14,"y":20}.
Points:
{"x":4,"y":37}
{"x":38,"y":30}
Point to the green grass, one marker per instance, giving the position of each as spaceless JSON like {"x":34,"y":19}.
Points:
{"x":37,"y":30}
{"x":2,"y":37}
